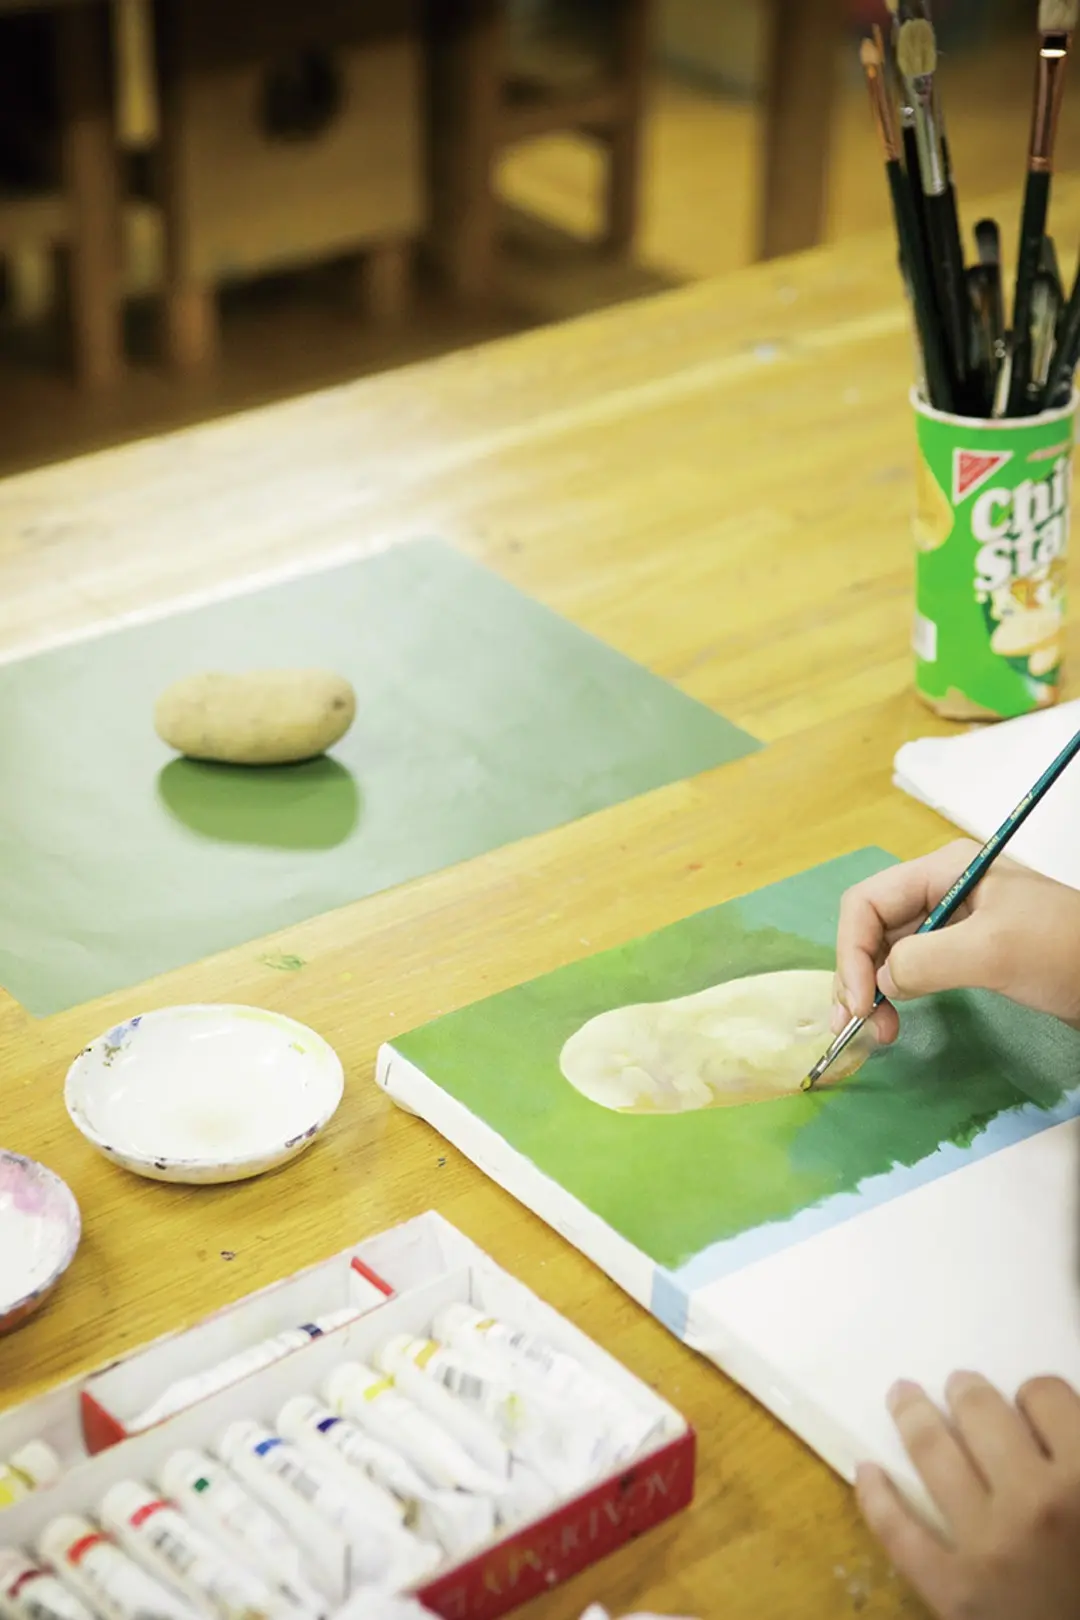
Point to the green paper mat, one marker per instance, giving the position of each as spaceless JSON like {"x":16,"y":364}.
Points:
{"x":482,"y":718}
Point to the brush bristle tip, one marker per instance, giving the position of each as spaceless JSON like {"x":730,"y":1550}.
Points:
{"x":916,"y":49}
{"x":869,"y":55}
{"x":1058,"y":16}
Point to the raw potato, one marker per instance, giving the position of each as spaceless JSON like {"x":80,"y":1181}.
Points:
{"x":749,"y":1040}
{"x":266,"y":717}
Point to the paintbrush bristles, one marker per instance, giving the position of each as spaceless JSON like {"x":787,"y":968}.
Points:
{"x":1058,"y":16}
{"x":916,"y":49}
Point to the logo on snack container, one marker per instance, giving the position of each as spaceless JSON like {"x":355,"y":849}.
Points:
{"x":1021,"y":531}
{"x":971,"y":468}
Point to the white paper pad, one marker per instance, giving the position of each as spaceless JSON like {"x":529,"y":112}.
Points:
{"x":975,"y":780}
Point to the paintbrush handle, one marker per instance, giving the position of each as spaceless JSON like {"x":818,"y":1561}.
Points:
{"x":1060,"y":383}
{"x":1032,"y":228}
{"x":954,"y":898}
{"x":938,"y":382}
{"x":952,"y":294}
{"x":984,"y":860}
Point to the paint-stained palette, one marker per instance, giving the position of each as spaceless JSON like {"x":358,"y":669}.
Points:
{"x":482,"y":718}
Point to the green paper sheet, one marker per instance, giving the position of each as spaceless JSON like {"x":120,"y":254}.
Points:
{"x":482,"y":718}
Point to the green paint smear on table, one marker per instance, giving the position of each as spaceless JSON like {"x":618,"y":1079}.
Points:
{"x":482,"y":718}
{"x":673,"y":1185}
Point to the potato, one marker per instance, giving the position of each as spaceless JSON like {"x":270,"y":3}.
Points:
{"x":745,"y":1041}
{"x":266,"y":717}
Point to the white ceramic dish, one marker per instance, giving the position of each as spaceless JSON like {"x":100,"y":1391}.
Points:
{"x":204,"y":1094}
{"x":39,"y":1234}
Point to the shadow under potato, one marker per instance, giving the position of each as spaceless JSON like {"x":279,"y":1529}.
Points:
{"x":313,"y":805}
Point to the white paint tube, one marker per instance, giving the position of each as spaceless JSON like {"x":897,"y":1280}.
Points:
{"x":186,"y":1391}
{"x":371,"y":1400}
{"x":405,"y":1360}
{"x":568,"y":1445}
{"x":113,"y":1585}
{"x":169,"y":1547}
{"x":211,"y":1498}
{"x":527,"y":1497}
{"x":288,"y":1481}
{"x":293,"y":1423}
{"x":33,"y":1468}
{"x":552,"y":1372}
{"x":382,"y":1606}
{"x":28,"y":1592}
{"x":457,"y":1521}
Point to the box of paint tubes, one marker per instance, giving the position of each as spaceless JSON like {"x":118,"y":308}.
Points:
{"x":403,"y":1422}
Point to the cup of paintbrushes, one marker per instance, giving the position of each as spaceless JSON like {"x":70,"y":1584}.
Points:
{"x":991,"y":536}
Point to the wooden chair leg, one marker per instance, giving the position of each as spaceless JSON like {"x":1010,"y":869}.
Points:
{"x":191,"y":335}
{"x":798,"y":113}
{"x":466,"y":58}
{"x":92,"y":185}
{"x":384,"y":281}
{"x":633,"y":25}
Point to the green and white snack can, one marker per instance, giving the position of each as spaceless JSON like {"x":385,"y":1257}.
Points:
{"x":991,"y":537}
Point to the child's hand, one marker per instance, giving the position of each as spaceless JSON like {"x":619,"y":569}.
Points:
{"x":1019,"y":934}
{"x":1007,"y":1482}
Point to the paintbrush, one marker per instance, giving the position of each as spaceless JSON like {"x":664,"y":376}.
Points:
{"x":912,"y":259}
{"x":1058,"y":390}
{"x":908,"y":136}
{"x":982,"y":354}
{"x":1057,"y":19}
{"x":988,"y":247}
{"x":916,"y":55}
{"x":951,"y":902}
{"x":1045,"y":309}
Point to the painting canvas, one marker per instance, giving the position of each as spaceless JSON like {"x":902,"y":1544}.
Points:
{"x":700,"y":1194}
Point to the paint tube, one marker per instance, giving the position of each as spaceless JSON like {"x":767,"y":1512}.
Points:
{"x":287,"y":1481}
{"x":113,"y":1585}
{"x":186,"y":1391}
{"x":370,"y":1399}
{"x":212,"y":1499}
{"x":568,"y":1447}
{"x":458,"y":1521}
{"x":405,"y":1360}
{"x":382,"y":1606}
{"x":162,"y":1540}
{"x":33,"y":1467}
{"x":28,"y":1592}
{"x":552,"y":1372}
{"x":378,"y":1505}
{"x":525,"y":1497}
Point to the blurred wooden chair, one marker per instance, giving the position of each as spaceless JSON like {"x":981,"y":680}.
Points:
{"x":477,"y":110}
{"x":289,"y":134}
{"x":78,"y":216}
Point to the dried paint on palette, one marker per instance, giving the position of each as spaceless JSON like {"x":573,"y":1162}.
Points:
{"x":682,"y":1128}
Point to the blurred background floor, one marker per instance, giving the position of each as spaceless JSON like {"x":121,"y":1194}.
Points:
{"x":302,"y":332}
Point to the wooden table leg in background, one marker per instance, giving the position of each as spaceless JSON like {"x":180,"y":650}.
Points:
{"x":631,"y":58}
{"x":91,"y":182}
{"x":799,"y":98}
{"x":466,"y":56}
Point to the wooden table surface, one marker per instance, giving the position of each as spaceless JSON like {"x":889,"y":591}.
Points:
{"x":717,"y":482}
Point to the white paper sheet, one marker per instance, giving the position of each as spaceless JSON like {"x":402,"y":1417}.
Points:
{"x":976,"y":779}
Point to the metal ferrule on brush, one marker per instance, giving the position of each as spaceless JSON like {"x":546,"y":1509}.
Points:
{"x":928,"y":137}
{"x":1049,"y":86}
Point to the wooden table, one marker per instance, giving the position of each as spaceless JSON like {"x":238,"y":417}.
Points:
{"x":716,"y":482}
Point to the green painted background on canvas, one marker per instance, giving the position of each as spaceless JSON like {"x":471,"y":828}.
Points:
{"x":482,"y":718}
{"x":674,"y":1184}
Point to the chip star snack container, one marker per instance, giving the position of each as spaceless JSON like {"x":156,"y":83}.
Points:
{"x":991,"y":539}
{"x":399,"y":1282}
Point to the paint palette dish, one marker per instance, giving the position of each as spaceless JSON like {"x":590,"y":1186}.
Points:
{"x":403,"y":1287}
{"x":204,"y":1094}
{"x":39,"y":1234}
